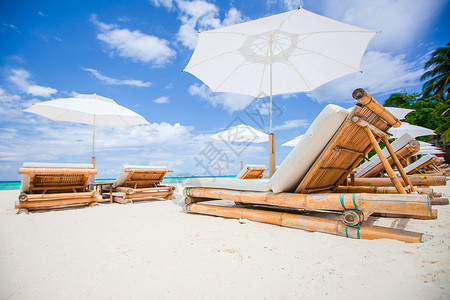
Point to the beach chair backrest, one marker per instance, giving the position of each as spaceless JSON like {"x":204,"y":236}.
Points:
{"x":54,"y":177}
{"x":423,"y":162}
{"x":141,"y":176}
{"x":336,"y":142}
{"x":404,"y":147}
{"x":251,"y":172}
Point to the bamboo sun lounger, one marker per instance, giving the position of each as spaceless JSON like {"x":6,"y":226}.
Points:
{"x":311,"y":175}
{"x":427,"y":164}
{"x":54,"y":185}
{"x":252,"y":172}
{"x":404,"y":147}
{"x":136,"y":183}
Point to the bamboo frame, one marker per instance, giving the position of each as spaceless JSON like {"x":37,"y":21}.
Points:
{"x":143,"y":184}
{"x":423,"y":180}
{"x":57,"y":187}
{"x":412,"y":204}
{"x":308,"y":223}
{"x":361,"y":131}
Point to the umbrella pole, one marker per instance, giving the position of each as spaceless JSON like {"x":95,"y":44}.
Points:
{"x":242,"y":146}
{"x":271,"y":135}
{"x":93,"y":159}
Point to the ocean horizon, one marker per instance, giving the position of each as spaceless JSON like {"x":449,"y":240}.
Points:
{"x":15,"y":185}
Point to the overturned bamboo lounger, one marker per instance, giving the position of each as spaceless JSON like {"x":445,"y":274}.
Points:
{"x":252,"y":172}
{"x":336,"y":142}
{"x":54,"y":185}
{"x":136,"y":183}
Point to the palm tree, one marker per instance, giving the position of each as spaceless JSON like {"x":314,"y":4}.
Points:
{"x":439,"y":74}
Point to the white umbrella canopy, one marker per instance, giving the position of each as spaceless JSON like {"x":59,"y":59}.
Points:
{"x":241,"y":134}
{"x":295,"y":51}
{"x":87,"y":109}
{"x":412,"y":130}
{"x":293,"y":142}
{"x":399,"y":113}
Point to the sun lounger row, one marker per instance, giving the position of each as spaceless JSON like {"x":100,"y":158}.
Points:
{"x":52,"y":185}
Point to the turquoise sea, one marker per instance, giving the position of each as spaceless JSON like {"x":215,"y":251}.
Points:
{"x":14,"y":185}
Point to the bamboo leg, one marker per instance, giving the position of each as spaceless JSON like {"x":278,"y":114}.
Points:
{"x":308,"y":223}
{"x":397,"y":163}
{"x":385,"y":163}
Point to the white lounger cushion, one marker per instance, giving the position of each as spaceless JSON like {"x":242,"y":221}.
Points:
{"x":375,"y":160}
{"x":258,"y":185}
{"x":296,"y":164}
{"x":419,"y":162}
{"x":245,"y":169}
{"x":25,"y":183}
{"x":124,"y":175}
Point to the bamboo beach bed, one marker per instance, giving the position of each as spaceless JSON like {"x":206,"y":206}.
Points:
{"x":404,"y":147}
{"x":136,"y":183}
{"x":311,"y":176}
{"x":53,"y":185}
{"x":427,"y":164}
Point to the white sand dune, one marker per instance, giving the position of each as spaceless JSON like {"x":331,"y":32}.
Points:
{"x":152,"y":250}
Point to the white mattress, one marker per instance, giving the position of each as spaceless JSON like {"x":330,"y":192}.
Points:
{"x":258,"y":185}
{"x":295,"y":166}
{"x":25,"y":182}
{"x":245,"y":168}
{"x":417,"y":163}
{"x":375,"y":160}
{"x":124,"y":175}
{"x":297,"y":163}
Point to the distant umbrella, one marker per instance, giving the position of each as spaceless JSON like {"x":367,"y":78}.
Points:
{"x":293,"y":142}
{"x":241,"y":134}
{"x":399,"y":113}
{"x":412,"y":130}
{"x":87,"y":109}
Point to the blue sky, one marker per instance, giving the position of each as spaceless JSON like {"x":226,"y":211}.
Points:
{"x":134,"y":52}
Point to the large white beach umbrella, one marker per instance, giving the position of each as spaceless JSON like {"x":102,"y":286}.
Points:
{"x":412,"y":130}
{"x":241,"y":134}
{"x":87,"y":109}
{"x":295,"y":51}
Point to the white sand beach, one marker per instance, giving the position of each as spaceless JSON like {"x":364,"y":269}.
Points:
{"x":153,"y":250}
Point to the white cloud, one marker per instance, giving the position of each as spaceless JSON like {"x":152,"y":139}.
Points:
{"x":402,"y":23}
{"x":292,"y":4}
{"x":134,"y":44}
{"x":384,"y":73}
{"x":198,"y":15}
{"x":292,"y":124}
{"x":20,"y":78}
{"x":166,"y":3}
{"x":112,"y":81}
{"x":230,"y":102}
{"x":161,"y":100}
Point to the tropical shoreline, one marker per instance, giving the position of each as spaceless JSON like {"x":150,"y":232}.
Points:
{"x":153,"y":249}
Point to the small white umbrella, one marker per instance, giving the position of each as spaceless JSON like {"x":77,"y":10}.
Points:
{"x":412,"y":130}
{"x":241,"y":134}
{"x":295,"y":51}
{"x":293,"y":142}
{"x":87,"y":109}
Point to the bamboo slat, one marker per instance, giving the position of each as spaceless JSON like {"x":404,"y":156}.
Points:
{"x":433,"y":216}
{"x":411,"y":204}
{"x":308,"y":223}
{"x":378,"y":190}
{"x":38,"y":197}
{"x":439,"y":201}
{"x":44,"y":204}
{"x":415,"y":180}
